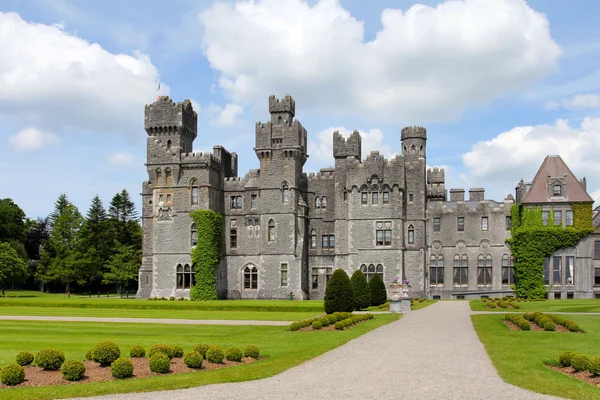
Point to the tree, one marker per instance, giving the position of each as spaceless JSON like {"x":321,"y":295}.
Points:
{"x":59,"y":207}
{"x":362,"y":295}
{"x":97,"y":236}
{"x":12,"y":221}
{"x":339,"y":294}
{"x":124,"y":220}
{"x":12,"y":267}
{"x":37,"y":234}
{"x":122,"y":267}
{"x":377,"y":289}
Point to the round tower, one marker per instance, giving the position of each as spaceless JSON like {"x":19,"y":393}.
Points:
{"x":414,"y":140}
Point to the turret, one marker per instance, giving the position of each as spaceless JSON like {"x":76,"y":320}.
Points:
{"x":413,"y":140}
{"x":282,"y":111}
{"x":174,"y":124}
{"x":347,"y":147}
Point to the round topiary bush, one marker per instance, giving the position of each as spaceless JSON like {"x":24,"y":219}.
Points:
{"x":73,"y":370}
{"x":24,"y":358}
{"x":339,"y":294}
{"x":565,"y":358}
{"x":251,"y":351}
{"x":122,"y":368}
{"x":215,"y":355}
{"x":49,"y":359}
{"x":572,"y":326}
{"x":162,"y":348}
{"x":594,"y":366}
{"x":549,"y":326}
{"x":193,"y":360}
{"x":377,"y":289}
{"x":105,"y":352}
{"x":294,"y":326}
{"x":317,"y":325}
{"x":362,"y":295}
{"x":202,"y":349}
{"x":176,"y":351}
{"x":234,"y":354}
{"x":137,"y":351}
{"x":12,"y":374}
{"x":88,"y":354}
{"x":580,"y":362}
{"x":160,"y":362}
{"x":339,"y":326}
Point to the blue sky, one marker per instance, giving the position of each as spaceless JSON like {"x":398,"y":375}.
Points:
{"x":497,"y":83}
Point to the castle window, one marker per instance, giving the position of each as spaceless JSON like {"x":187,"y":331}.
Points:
{"x":253,"y":200}
{"x":436,"y":224}
{"x":318,"y":202}
{"x":158,"y":176}
{"x":233,"y":238}
{"x":315,"y":278}
{"x":284,"y":274}
{"x":184,"y":276}
{"x":546,"y":271}
{"x":484,"y":271}
{"x":436,"y":271}
{"x":461,"y":271}
{"x":285,"y":193}
{"x":372,"y":270}
{"x":168,"y":144}
{"x":313,"y":239}
{"x":557,"y":266}
{"x":279,"y":121}
{"x":570,"y":270}
{"x":410,"y":197}
{"x":271,"y":231}
{"x":569,"y":218}
{"x":250,"y":278}
{"x":412,"y":149}
{"x":386,"y":196}
{"x":345,"y":195}
{"x":383,"y":237}
{"x":374,"y":197}
{"x":169,"y":199}
{"x":484,"y":223}
{"x":460,"y":224}
{"x":545,"y":215}
{"x":363,"y":197}
{"x":508,"y":223}
{"x":168,"y":177}
{"x":325,"y":241}
{"x":324,"y":202}
{"x":556,"y":190}
{"x":194,"y":235}
{"x":332,"y":241}
{"x":411,"y":234}
{"x":194,"y":192}
{"x":508,"y":270}
{"x":161,"y":200}
{"x":597,"y":250}
{"x":236,"y":202}
{"x":557,"y":218}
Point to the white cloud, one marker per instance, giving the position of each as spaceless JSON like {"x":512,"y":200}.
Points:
{"x":596,"y":196}
{"x":121,"y":160}
{"x":425,"y":64}
{"x":577,"y":102}
{"x":33,"y":139}
{"x":321,"y":149}
{"x":501,"y":162}
{"x":228,"y":115}
{"x":51,"y":78}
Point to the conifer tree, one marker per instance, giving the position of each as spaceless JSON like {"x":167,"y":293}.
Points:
{"x":362,"y":295}
{"x":339,"y":294}
{"x":377,"y":289}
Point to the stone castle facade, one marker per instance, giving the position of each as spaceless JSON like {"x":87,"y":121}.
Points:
{"x":285,"y":231}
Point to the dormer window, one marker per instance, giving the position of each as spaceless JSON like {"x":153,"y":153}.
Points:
{"x":556,"y":190}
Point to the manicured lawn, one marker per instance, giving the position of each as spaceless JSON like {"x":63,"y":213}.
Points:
{"x":282,"y":349}
{"x":520,"y":356}
{"x":419,"y":305}
{"x":550,"y":306}
{"x":164,"y":314}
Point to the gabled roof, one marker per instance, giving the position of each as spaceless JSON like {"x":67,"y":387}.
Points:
{"x":555,"y":167}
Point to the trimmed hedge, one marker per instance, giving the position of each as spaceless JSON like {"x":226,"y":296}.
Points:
{"x":165,"y":349}
{"x":137,"y":351}
{"x":362,"y":294}
{"x":252,"y":351}
{"x":207,"y":254}
{"x":160,"y":363}
{"x":193,"y":359}
{"x":594,"y":366}
{"x":339,"y":294}
{"x":88,"y":354}
{"x":377,"y":290}
{"x":348,"y":322}
{"x":12,"y":374}
{"x":176,"y":351}
{"x":521,"y":322}
{"x":317,"y":325}
{"x":50,"y":359}
{"x":215,"y":355}
{"x":234,"y":354}
{"x":326,"y":320}
{"x":73,"y":370}
{"x":565,"y":358}
{"x":122,"y":368}
{"x":24,"y":358}
{"x":580,"y":362}
{"x":105,"y":352}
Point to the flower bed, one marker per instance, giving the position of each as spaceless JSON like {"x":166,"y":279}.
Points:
{"x":329,"y":322}
{"x":579,"y":366}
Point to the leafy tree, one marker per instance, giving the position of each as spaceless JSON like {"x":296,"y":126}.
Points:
{"x":37,"y":234}
{"x":122,"y":267}
{"x":362,"y":295}
{"x":339,"y":294}
{"x":12,"y":221}
{"x":377,"y":289}
{"x":12,"y":267}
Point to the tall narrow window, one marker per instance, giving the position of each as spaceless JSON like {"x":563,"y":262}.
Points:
{"x":187,"y":277}
{"x":158,"y":176}
{"x":484,"y":223}
{"x":570,"y":270}
{"x":194,"y":192}
{"x":461,"y":271}
{"x":410,"y":197}
{"x":436,"y":224}
{"x":597,"y":250}
{"x":324,"y":202}
{"x":363,"y":197}
{"x":597,"y":276}
{"x":233,"y":238}
{"x":285,"y":193}
{"x":379,"y":237}
{"x":250,"y":278}
{"x":569,"y":218}
{"x":169,"y":199}
{"x":271,"y":231}
{"x":379,"y":270}
{"x":169,"y":144}
{"x":168,"y":177}
{"x":313,"y":239}
{"x":253,"y":201}
{"x":556,"y":190}
{"x":411,"y":234}
{"x":317,"y":202}
{"x":284,"y":274}
{"x":557,"y":218}
{"x":325,"y":241}
{"x":332,"y":241}
{"x":460,"y":224}
{"x":179,"y":276}
{"x":508,"y":270}
{"x":484,"y":270}
{"x":436,"y":271}
{"x":545,"y":215}
{"x":508,"y":224}
{"x":194,"y":235}
{"x":547,"y":271}
{"x":387,"y":237}
{"x":556,"y":267}
{"x":374,"y":197}
{"x":386,"y":196}
{"x":315,"y":278}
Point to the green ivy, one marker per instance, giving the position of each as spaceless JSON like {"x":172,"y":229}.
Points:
{"x":207,"y":254}
{"x":532,"y":242}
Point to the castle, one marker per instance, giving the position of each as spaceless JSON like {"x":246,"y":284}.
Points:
{"x":285,"y":231}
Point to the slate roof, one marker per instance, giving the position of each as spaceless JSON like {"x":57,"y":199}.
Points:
{"x":596,"y":218}
{"x":555,"y":167}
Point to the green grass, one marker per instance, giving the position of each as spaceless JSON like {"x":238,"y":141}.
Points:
{"x":282,"y":350}
{"x":521,"y":356}
{"x":419,"y":305}
{"x":160,"y":314}
{"x":550,"y":306}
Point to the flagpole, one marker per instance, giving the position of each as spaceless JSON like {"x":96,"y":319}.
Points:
{"x":157,"y":90}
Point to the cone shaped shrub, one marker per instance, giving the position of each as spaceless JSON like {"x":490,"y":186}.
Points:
{"x":377,"y":289}
{"x":339,"y":294}
{"x":362,"y":294}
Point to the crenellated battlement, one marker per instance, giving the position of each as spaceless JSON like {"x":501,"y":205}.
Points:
{"x":202,"y":158}
{"x":414,"y":132}
{"x":164,"y":117}
{"x":436,"y":175}
{"x":285,"y":105}
{"x":347,"y":147}
{"x":323,"y":174}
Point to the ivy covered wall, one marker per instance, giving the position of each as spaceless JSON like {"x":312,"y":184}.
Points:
{"x":207,"y":254}
{"x":532,"y":242}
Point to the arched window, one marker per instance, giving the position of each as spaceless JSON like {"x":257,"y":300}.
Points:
{"x":168,"y":177}
{"x":285,"y":193}
{"x":184,"y":276}
{"x":363,"y":196}
{"x":411,"y":234}
{"x":271,"y":231}
{"x":412,"y":149}
{"x":194,"y":235}
{"x":158,"y":176}
{"x":324,"y":202}
{"x":508,"y":270}
{"x":436,"y":270}
{"x":345,"y":195}
{"x":317,"y":202}
{"x":250,"y":278}
{"x":313,"y":239}
{"x":379,"y":270}
{"x":484,"y":270}
{"x":374,"y":196}
{"x":179,"y":276}
{"x":386,"y":195}
{"x":279,"y":121}
{"x":194,"y":192}
{"x":168,"y":144}
{"x":461,"y":270}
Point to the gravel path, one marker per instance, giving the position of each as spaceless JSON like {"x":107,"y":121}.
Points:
{"x":145,"y":320}
{"x":433,"y":353}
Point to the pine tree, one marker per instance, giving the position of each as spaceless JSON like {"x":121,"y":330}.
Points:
{"x":97,"y":237}
{"x":377,"y":289}
{"x":362,"y":295}
{"x":59,"y":207}
{"x":124,"y":220}
{"x":339,"y":294}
